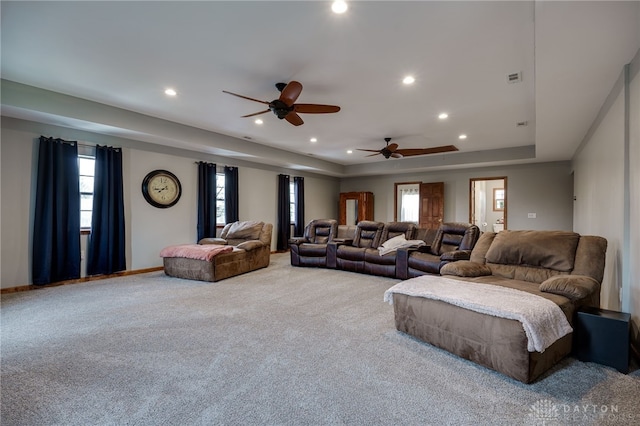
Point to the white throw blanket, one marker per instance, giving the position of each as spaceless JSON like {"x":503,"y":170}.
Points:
{"x":397,"y":242}
{"x":543,"y":321}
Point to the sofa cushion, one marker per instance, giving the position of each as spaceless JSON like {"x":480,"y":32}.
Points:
{"x":465,"y":268}
{"x":247,"y":230}
{"x":250,"y":245}
{"x":219,"y":241}
{"x":547,"y":249}
{"x":574,"y":287}
{"x":482,"y":246}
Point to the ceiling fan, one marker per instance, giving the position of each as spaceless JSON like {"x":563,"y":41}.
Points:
{"x":285,"y":106}
{"x":393,"y":151}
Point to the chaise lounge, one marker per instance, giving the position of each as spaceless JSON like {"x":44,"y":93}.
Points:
{"x":563,"y":270}
{"x":242,"y":247}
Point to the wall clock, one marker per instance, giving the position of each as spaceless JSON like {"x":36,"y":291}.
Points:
{"x":161,"y":189}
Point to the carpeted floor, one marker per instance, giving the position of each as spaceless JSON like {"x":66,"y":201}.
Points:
{"x":278,"y":346}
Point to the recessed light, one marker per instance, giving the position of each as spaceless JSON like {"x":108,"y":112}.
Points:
{"x":170,"y":92}
{"x":443,"y":116}
{"x":313,"y":140}
{"x":339,"y":6}
{"x":258,"y":121}
{"x":408,"y":80}
{"x":349,"y":151}
{"x":463,"y":136}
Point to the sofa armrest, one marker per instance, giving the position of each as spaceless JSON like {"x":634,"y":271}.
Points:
{"x":250,"y":245}
{"x":574,"y":287}
{"x":452,"y":256}
{"x":465,"y":268}
{"x":219,"y":241}
{"x":332,"y":254}
{"x":298,"y":240}
{"x":402,"y":261}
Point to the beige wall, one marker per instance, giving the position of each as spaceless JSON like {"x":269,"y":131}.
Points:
{"x":148,"y":229}
{"x":631,"y":292}
{"x":607,"y":186}
{"x":542,"y":188}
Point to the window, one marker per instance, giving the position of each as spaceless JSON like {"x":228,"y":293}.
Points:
{"x":292,"y":202}
{"x":220,"y":206}
{"x":408,"y":202}
{"x":86,"y":165}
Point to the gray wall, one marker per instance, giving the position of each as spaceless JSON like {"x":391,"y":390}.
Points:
{"x":544,"y":188}
{"x":148,"y":229}
{"x":607,"y":189}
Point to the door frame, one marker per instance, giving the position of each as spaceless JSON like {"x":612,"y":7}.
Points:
{"x":472,"y":198}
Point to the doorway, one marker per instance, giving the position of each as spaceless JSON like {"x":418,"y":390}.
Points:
{"x":421,"y":203}
{"x":488,"y":203}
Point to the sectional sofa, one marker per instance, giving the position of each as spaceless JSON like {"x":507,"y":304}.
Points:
{"x":390,"y":249}
{"x":564,"y":270}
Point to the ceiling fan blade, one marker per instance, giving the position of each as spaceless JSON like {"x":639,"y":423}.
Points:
{"x":369,"y":150}
{"x":256,"y":113}
{"x":293,"y":118}
{"x":245,"y":97}
{"x":372,"y":155}
{"x":396,"y":155}
{"x":393,"y":147}
{"x":409,"y":152}
{"x":315,"y":108}
{"x":290,"y":93}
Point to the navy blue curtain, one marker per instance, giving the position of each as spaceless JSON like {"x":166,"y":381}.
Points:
{"x":284,"y":213}
{"x":298,"y":187}
{"x":231,"y":194}
{"x":56,"y":225}
{"x":106,"y":243}
{"x":206,"y":200}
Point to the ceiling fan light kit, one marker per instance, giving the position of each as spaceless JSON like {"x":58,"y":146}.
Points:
{"x":285,"y":107}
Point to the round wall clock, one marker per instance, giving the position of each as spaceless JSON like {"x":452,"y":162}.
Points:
{"x":161,"y":189}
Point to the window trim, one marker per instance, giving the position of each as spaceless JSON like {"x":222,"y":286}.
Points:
{"x":86,"y":230}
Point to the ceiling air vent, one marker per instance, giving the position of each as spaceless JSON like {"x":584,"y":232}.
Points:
{"x":522,"y":123}
{"x":516,"y":77}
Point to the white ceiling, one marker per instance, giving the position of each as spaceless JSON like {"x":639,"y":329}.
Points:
{"x":122,"y":55}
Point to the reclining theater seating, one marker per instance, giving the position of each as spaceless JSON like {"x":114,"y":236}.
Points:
{"x":453,"y":241}
{"x":349,"y":255}
{"x":385,"y":265}
{"x":311,"y":249}
{"x":251,"y":243}
{"x":563,"y":267}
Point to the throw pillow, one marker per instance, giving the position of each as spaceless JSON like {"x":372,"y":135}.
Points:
{"x":574,"y":287}
{"x":465,"y":268}
{"x":247,"y":230}
{"x":250,"y":245}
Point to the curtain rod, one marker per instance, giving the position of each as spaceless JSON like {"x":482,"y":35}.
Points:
{"x":85,"y":144}
{"x":224,"y":165}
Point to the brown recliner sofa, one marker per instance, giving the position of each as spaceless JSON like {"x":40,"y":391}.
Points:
{"x":348,"y":255}
{"x":453,"y":241}
{"x":385,"y":265}
{"x":311,"y":248}
{"x":251,"y":250}
{"x":563,"y":267}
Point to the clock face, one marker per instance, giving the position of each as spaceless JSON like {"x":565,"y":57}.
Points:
{"x":161,"y":188}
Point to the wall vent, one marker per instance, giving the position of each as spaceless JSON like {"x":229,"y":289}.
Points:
{"x":515,"y":77}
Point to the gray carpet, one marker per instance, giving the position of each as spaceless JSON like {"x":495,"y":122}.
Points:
{"x":279,"y":346}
